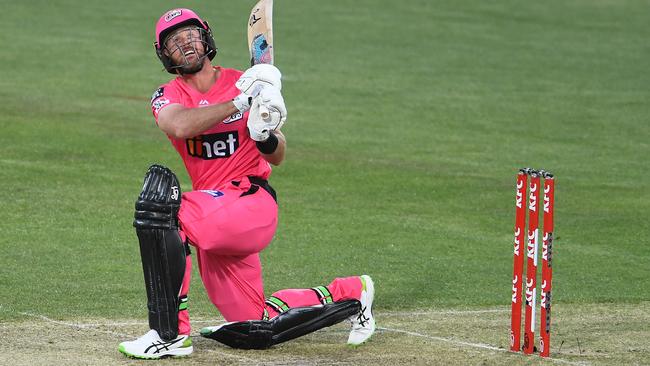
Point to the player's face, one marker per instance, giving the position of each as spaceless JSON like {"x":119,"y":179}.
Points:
{"x":185,"y":48}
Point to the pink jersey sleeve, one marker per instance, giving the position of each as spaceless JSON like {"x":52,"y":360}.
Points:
{"x":162,"y":97}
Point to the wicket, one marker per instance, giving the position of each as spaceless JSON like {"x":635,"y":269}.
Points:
{"x":530,"y":294}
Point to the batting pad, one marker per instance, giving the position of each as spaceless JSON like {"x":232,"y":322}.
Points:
{"x":295,"y":322}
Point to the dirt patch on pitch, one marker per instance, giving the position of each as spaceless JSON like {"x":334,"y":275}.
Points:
{"x":582,"y":334}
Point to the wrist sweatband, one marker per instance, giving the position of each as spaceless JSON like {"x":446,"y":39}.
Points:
{"x":269,"y":146}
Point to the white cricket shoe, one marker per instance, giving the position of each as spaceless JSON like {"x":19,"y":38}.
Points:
{"x":151,"y":346}
{"x":363,"y":324}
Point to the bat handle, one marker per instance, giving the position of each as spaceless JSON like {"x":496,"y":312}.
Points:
{"x":264,"y":112}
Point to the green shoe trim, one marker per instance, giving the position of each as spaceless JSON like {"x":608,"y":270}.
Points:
{"x":187,"y":342}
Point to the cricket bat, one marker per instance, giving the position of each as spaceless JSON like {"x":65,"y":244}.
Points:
{"x":260,"y":38}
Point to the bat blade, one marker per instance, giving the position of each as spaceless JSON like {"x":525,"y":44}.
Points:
{"x":260,"y":33}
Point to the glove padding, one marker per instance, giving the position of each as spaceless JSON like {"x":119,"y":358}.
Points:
{"x":269,"y":99}
{"x":258,"y":77}
{"x":252,"y":81}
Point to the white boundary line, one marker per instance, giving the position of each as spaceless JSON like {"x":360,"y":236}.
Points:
{"x":474,"y":345}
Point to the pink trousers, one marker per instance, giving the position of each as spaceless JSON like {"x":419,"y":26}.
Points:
{"x":229,"y":227}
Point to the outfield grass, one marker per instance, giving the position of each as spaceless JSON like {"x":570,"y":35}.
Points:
{"x":407,"y":124}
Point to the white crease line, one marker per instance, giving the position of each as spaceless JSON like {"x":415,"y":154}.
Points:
{"x":448,"y":340}
{"x":475,"y":345}
{"x":138,"y":323}
{"x":93,"y":327}
{"x":108,"y":324}
{"x":218,"y":321}
{"x":101,"y":324}
{"x":445,"y":312}
{"x":74,"y":325}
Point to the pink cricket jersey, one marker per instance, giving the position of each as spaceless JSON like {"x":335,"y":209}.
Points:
{"x":223,"y":153}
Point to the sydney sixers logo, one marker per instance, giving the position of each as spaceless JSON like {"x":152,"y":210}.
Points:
{"x":173,"y":14}
{"x":159,"y":103}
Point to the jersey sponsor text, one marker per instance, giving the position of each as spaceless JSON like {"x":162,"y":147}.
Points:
{"x":213,"y":146}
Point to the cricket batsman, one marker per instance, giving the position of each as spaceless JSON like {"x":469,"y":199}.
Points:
{"x":211,"y":115}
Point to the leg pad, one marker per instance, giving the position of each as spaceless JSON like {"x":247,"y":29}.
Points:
{"x":295,"y":322}
{"x":161,"y":248}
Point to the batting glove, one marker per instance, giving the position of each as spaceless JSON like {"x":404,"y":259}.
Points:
{"x":268,"y":113}
{"x":252,"y":81}
{"x":259,"y":76}
{"x":242,"y":102}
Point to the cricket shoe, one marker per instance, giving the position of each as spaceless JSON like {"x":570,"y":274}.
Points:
{"x":150,"y":346}
{"x":363,"y":324}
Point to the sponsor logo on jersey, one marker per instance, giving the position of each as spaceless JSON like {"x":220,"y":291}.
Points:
{"x":213,"y":146}
{"x":159,"y":103}
{"x":234,"y":118}
{"x":203,"y":103}
{"x":214,"y":194}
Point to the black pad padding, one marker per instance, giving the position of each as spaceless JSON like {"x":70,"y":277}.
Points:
{"x":158,"y":204}
{"x":163,"y":264}
{"x":295,"y":322}
{"x":253,"y":334}
{"x":161,"y":248}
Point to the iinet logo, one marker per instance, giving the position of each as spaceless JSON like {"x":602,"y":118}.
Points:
{"x":213,"y":146}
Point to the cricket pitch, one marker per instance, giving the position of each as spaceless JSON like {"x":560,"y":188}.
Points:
{"x":585,"y":334}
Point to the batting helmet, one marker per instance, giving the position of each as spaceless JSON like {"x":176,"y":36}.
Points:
{"x":177,"y":18}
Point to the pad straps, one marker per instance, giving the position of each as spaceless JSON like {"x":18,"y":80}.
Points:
{"x":323,"y":293}
{"x":277,"y":304}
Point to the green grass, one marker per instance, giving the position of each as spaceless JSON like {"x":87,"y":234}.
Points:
{"x":407,"y":123}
